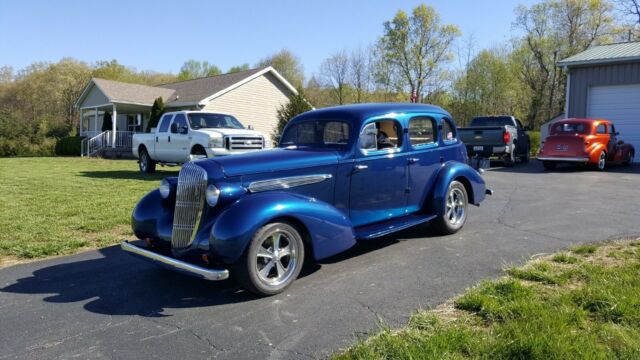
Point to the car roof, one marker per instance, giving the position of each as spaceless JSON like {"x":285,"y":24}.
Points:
{"x":583,"y":120}
{"x":360,"y":112}
{"x":198,"y":112}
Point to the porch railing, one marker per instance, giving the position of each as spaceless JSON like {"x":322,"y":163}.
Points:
{"x":91,"y":146}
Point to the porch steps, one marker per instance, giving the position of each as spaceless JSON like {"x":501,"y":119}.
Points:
{"x":376,"y":230}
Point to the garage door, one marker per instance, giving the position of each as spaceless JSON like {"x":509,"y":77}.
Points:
{"x":620,"y":104}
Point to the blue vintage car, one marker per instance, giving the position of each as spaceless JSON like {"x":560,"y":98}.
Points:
{"x":339,"y":175}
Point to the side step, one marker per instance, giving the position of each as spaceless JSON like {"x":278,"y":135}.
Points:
{"x":376,"y":230}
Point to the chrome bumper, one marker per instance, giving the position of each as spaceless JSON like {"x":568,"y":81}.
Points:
{"x":564,"y":159}
{"x":175,"y":264}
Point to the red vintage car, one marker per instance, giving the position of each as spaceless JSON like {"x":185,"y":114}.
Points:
{"x":584,"y":141}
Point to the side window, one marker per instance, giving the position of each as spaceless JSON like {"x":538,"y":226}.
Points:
{"x":448,"y":132}
{"x":602,"y":129}
{"x":164,"y":123}
{"x":379,"y":135}
{"x":336,"y":132}
{"x":179,"y":121}
{"x":421,"y":131}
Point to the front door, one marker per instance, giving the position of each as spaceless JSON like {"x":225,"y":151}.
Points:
{"x":423,"y":159}
{"x":162,"y":138}
{"x":378,"y":189}
{"x":178,"y":149}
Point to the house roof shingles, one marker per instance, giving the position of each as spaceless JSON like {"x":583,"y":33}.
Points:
{"x":118,"y":91}
{"x":629,"y":51}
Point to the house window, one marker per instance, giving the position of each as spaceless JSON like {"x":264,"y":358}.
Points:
{"x":133,"y":124}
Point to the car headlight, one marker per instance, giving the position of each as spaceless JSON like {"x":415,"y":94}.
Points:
{"x":212,"y":194}
{"x":216,"y":142}
{"x":165,"y":188}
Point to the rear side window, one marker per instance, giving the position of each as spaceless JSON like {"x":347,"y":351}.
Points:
{"x":421,"y":131}
{"x":602,"y":129}
{"x":164,"y":123}
{"x":448,"y":132}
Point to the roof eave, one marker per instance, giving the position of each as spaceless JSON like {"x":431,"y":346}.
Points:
{"x":599,"y":61}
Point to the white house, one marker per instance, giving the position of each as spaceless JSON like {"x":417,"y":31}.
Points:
{"x":252,"y":96}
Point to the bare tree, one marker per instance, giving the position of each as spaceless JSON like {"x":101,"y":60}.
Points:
{"x":359,"y":73}
{"x":335,"y":72}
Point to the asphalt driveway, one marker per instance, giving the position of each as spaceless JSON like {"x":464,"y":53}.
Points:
{"x":105,"y":304}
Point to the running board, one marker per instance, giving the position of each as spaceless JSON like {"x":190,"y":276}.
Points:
{"x":376,"y":230}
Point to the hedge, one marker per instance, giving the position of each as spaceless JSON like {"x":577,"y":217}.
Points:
{"x":69,"y":146}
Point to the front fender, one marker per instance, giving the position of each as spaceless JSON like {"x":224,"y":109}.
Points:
{"x":330,"y":231}
{"x":454,"y":170}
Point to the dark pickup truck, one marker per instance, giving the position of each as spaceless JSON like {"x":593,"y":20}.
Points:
{"x":503,"y":137}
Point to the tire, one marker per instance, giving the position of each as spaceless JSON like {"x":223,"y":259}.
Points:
{"x":629,"y":160}
{"x":525,"y":157}
{"x":263,"y":269}
{"x":602,"y":161}
{"x":509,"y":159}
{"x":146,"y":164}
{"x":549,"y":165}
{"x":455,"y":210}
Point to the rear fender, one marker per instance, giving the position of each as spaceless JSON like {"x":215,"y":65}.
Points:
{"x":594,"y":152}
{"x":450,"y":171}
{"x":329,"y":230}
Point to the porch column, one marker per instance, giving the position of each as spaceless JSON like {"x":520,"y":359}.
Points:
{"x":81,"y":122}
{"x":95,"y":122}
{"x":113,"y":124}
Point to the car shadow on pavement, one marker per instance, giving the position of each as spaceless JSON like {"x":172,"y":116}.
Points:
{"x":119,"y":284}
{"x":535,"y":167}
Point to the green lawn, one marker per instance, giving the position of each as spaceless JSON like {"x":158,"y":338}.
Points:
{"x":578,"y":304}
{"x":52,"y":206}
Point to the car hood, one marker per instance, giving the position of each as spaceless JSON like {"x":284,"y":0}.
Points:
{"x":274,"y":160}
{"x":227,"y":132}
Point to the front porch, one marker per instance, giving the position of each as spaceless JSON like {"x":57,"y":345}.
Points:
{"x":126,"y":120}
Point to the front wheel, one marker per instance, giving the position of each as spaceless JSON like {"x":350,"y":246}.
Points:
{"x":146,"y":164}
{"x":602,"y":161}
{"x":273,"y":260}
{"x":455,"y":210}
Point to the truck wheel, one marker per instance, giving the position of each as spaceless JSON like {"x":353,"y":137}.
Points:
{"x":629,"y":160}
{"x":602,"y":161}
{"x":198,"y":153}
{"x":549,"y":165}
{"x":455,"y":210}
{"x":146,"y":164}
{"x":273,"y":260}
{"x":509,"y":159}
{"x":525,"y":157}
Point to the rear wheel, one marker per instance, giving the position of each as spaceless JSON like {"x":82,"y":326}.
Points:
{"x":455,"y":210}
{"x":549,"y":165}
{"x":629,"y":160}
{"x":509,"y":159}
{"x":602,"y":161}
{"x":146,"y":164}
{"x":525,"y":157}
{"x":273,"y":260}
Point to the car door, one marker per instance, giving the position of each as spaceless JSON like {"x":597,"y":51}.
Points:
{"x":162,"y":138}
{"x":178,"y":147}
{"x":379,"y":177}
{"x":424,"y":159}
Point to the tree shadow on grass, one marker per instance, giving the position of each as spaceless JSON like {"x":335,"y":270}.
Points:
{"x":128,"y":175}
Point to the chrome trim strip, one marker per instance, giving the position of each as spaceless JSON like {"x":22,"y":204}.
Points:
{"x":287,"y":182}
{"x":567,"y":159}
{"x":175,"y":264}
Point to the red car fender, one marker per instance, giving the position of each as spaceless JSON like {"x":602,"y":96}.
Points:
{"x":594,"y":152}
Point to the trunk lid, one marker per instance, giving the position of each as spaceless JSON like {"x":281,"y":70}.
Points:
{"x":486,"y":135}
{"x":564,"y":145}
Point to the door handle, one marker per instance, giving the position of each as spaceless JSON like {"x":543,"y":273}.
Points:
{"x":156,"y":139}
{"x":169,"y":138}
{"x":412,"y":160}
{"x":360,"y":167}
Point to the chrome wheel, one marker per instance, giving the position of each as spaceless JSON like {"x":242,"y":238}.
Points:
{"x":277,"y":257}
{"x":629,"y":160}
{"x":602,"y":161}
{"x":455,"y":206}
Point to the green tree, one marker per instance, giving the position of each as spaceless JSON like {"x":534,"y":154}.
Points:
{"x":193,"y":69}
{"x":417,"y":47}
{"x":238,"y":68}
{"x":297,"y":104}
{"x":107,"y":123}
{"x":287,"y":64}
{"x":157,"y":109}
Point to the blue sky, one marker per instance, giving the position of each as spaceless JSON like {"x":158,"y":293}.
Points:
{"x":161,"y":35}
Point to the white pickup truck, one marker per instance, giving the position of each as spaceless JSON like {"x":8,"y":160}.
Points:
{"x":184,"y":135}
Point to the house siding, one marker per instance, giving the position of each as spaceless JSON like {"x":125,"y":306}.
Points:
{"x":95,"y":97}
{"x":254,"y":103}
{"x":582,"y":78}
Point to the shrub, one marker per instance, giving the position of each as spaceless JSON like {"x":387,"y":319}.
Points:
{"x":297,"y":105}
{"x":534,"y":140}
{"x":69,"y":146}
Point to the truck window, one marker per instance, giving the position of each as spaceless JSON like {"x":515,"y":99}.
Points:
{"x":421,"y":130}
{"x":491,"y":121}
{"x":602,"y":129}
{"x":448,"y":132}
{"x":164,"y":123}
{"x":181,"y":121}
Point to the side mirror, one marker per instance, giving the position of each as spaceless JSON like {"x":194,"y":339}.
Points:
{"x":617,"y":133}
{"x":174,"y":128}
{"x":249,"y":127}
{"x":183,"y":130}
{"x":620,"y":142}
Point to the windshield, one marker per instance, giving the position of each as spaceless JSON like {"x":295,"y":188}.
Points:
{"x":215,"y":121}
{"x":491,"y":121}
{"x":569,"y":128}
{"x":318,"y":133}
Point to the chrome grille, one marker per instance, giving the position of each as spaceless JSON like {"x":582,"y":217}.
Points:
{"x":244,"y":143}
{"x":190,"y":196}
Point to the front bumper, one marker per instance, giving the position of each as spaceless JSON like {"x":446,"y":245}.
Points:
{"x":175,"y":264}
{"x":564,"y":159}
